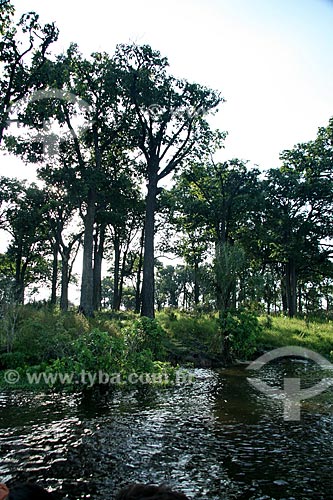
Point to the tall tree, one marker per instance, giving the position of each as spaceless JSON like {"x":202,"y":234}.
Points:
{"x":170,"y":127}
{"x":61,"y":214}
{"x":220,"y":199}
{"x":26,"y":224}
{"x":299,"y":206}
{"x":118,"y":219}
{"x":87,"y":88}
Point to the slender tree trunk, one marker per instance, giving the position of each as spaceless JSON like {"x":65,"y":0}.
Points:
{"x":97,"y":272}
{"x":17,"y":293}
{"x":55,"y":264}
{"x":122,"y":275}
{"x":116,"y":244}
{"x":233,"y":294}
{"x":121,"y":281}
{"x":284,"y":297}
{"x":66,"y":268}
{"x":86,"y":301}
{"x":97,"y":296}
{"x":20,"y":270}
{"x":121,"y":285}
{"x":196,"y":283}
{"x":148,"y":292}
{"x":218,"y":284}
{"x":138,"y":275}
{"x":95,"y":269}
{"x":291,"y":287}
{"x":64,"y":280}
{"x":20,"y":289}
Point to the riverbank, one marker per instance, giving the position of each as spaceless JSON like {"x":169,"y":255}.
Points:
{"x":192,"y":337}
{"x":315,"y":334}
{"x":46,"y":341}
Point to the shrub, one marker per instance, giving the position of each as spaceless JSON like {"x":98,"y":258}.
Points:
{"x":98,"y":350}
{"x":44,"y":335}
{"x":146,"y":334}
{"x":12,"y":360}
{"x":236,"y":337}
{"x":191,"y":330}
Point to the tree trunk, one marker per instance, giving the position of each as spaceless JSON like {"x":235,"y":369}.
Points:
{"x":116,"y":244}
{"x":291,"y":286}
{"x":233,"y":301}
{"x":20,"y":270}
{"x":148,"y":292}
{"x":284,"y":297}
{"x":86,"y":301}
{"x":53,"y":299}
{"x":225,"y":285}
{"x":122,"y":276}
{"x":196,"y":283}
{"x":121,"y":285}
{"x":138,"y":275}
{"x":20,"y":289}
{"x":97,"y":272}
{"x":121,"y":281}
{"x":64,"y":280}
{"x":218,"y":285}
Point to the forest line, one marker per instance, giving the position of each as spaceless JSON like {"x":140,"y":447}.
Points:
{"x":246,"y":238}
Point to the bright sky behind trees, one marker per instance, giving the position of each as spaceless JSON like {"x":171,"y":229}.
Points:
{"x":271,"y":59}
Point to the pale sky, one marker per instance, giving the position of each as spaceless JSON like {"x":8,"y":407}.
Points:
{"x":271,"y":60}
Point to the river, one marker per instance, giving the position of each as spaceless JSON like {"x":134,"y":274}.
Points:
{"x":218,"y":438}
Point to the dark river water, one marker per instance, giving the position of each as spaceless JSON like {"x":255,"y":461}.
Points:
{"x":218,"y":438}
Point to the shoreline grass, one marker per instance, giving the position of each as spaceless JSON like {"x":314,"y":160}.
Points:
{"x":279,"y":331}
{"x":46,"y":337}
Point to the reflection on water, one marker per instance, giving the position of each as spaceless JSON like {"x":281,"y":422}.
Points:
{"x":218,"y":438}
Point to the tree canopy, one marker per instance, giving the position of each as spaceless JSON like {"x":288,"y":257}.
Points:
{"x":106,"y":132}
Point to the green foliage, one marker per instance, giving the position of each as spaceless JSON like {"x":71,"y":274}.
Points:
{"x":190,"y":334}
{"x":43,"y":335}
{"x":146,"y":335}
{"x":50,"y":342}
{"x":189,"y":327}
{"x":96,"y":350}
{"x":13,"y":359}
{"x":24,"y":219}
{"x":229,"y":262}
{"x":23,"y":47}
{"x":268,"y":322}
{"x":314,"y":333}
{"x":237,"y":335}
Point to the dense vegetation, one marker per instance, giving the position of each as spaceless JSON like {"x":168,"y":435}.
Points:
{"x":49,"y":341}
{"x":247,"y":242}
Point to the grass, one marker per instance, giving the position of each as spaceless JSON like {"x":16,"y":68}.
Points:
{"x":188,"y":332}
{"x":44,"y":334}
{"x":194,"y":332}
{"x":281,"y":331}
